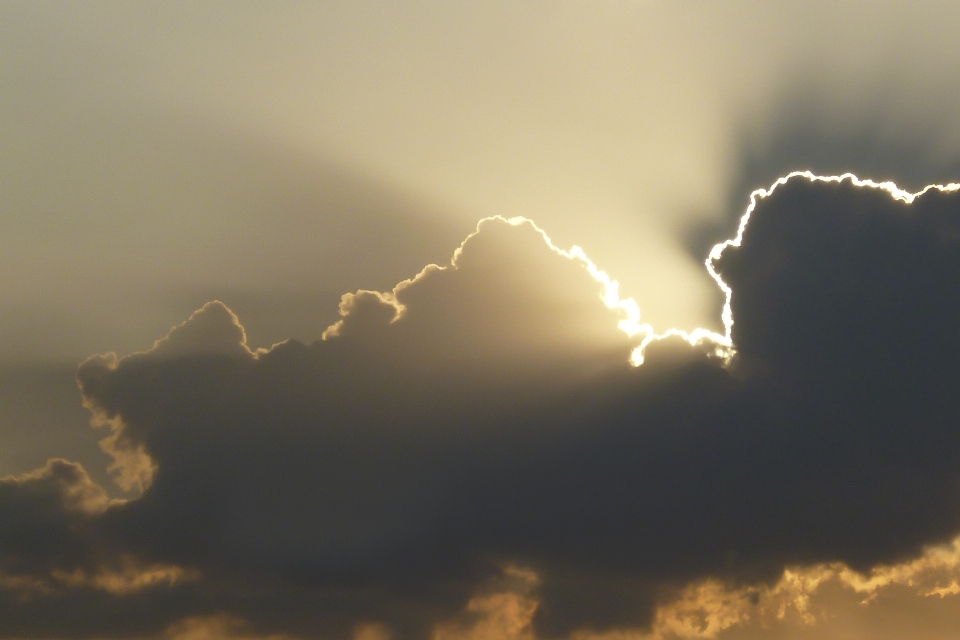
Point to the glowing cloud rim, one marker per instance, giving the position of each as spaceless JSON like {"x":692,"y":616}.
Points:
{"x":723,"y":344}
{"x":629,"y":310}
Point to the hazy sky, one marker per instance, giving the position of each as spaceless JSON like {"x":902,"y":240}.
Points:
{"x":156,"y":156}
{"x":160,"y":154}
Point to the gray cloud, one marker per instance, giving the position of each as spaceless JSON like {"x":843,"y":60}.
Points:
{"x":482,"y":416}
{"x":875,"y":126}
{"x":161,"y":209}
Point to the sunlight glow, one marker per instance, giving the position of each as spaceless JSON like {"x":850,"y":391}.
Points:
{"x":630,"y":323}
{"x":724,"y":348}
{"x":715,"y":253}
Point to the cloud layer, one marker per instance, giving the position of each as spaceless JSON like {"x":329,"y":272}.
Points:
{"x":476,"y":440}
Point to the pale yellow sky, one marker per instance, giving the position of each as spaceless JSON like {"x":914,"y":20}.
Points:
{"x":160,"y":154}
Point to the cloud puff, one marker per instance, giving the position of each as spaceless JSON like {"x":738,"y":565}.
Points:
{"x":475,"y":441}
{"x":45,"y":518}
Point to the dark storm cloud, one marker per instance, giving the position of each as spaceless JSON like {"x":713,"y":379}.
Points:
{"x":165,"y":212}
{"x":877,"y":131}
{"x":874,"y":128}
{"x":483,"y":416}
{"x":46,"y":517}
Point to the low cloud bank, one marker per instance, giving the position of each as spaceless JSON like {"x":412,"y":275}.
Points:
{"x":476,"y":442}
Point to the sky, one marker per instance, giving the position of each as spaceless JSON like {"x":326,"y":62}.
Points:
{"x":389,"y":321}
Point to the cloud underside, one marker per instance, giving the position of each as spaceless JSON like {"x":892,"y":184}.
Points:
{"x":471,"y":454}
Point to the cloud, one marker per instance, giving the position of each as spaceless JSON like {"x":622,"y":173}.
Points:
{"x":41,"y":417}
{"x":471,"y":453}
{"x":818,"y":601}
{"x":873,"y":125}
{"x":46,"y":517}
{"x":191,"y":207}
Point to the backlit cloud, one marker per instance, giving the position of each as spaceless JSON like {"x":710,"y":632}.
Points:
{"x":472,"y":454}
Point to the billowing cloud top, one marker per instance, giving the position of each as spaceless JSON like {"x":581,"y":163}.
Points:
{"x":479,"y":433}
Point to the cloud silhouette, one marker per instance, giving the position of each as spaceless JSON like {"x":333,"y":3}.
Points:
{"x":479,"y":431}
